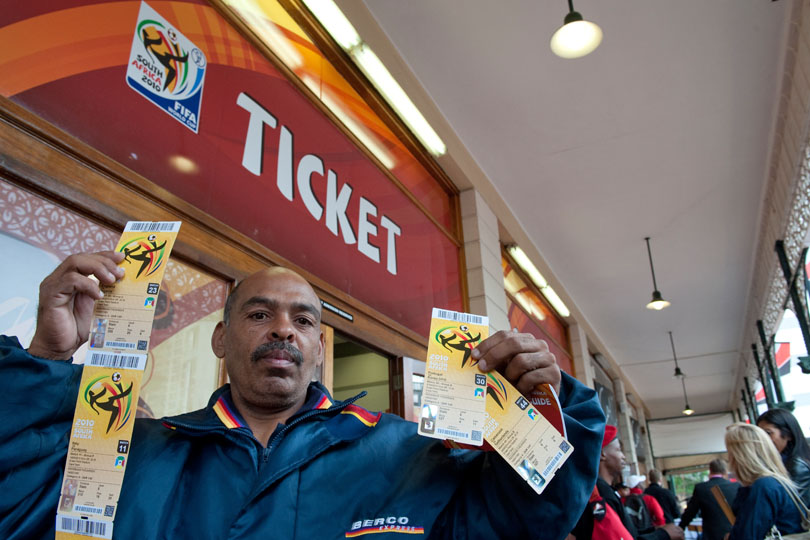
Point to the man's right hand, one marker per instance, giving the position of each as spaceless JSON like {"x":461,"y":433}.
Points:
{"x":674,"y":532}
{"x":66,"y":299}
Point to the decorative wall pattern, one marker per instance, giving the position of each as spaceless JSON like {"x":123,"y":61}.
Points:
{"x":50,"y":227}
{"x":786,"y":208}
{"x":182,"y":370}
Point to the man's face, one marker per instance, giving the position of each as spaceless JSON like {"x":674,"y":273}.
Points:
{"x":613,"y":458}
{"x":273,"y":342}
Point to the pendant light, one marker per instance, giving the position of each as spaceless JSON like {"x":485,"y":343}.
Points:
{"x":687,"y":410}
{"x":657,"y":303}
{"x":678,"y":372}
{"x":576,"y":37}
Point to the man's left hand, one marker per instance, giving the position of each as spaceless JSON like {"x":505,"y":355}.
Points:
{"x":524,"y":360}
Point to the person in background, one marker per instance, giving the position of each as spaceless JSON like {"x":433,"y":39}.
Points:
{"x":605,"y":503}
{"x":715,"y":523}
{"x":635,"y":508}
{"x":664,"y":497}
{"x":786,"y":434}
{"x":634,"y":483}
{"x":764,"y":499}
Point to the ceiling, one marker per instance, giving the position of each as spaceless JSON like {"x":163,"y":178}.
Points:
{"x":664,"y":131}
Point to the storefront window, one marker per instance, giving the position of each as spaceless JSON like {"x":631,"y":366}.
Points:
{"x":36,"y":235}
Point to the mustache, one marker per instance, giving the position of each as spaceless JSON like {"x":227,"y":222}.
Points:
{"x":265,"y":348}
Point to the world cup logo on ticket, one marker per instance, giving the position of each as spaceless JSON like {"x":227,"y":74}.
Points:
{"x":460,"y":338}
{"x":145,"y":255}
{"x":109,"y":396}
{"x":166,"y":68}
{"x":496,"y":390}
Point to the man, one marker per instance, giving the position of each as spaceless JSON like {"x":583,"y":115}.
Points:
{"x":273,"y":456}
{"x":664,"y":497}
{"x":636,"y":496}
{"x":611,"y":463}
{"x":715,"y":523}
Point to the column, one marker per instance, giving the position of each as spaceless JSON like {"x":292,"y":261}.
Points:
{"x":482,"y":251}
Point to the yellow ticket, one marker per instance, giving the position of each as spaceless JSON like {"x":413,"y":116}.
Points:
{"x":453,"y":398}
{"x":521,"y":435}
{"x":100,"y":437}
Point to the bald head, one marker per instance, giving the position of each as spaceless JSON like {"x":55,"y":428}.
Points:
{"x":271,"y":341}
{"x":273,"y":274}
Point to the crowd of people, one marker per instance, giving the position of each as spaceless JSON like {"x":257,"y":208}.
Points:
{"x":767,"y":497}
{"x":290,"y":462}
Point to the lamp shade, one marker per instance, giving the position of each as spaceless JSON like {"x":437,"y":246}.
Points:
{"x":657,"y":303}
{"x":576,"y":37}
{"x":688,"y":410}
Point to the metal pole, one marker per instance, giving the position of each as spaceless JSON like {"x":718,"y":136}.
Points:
{"x":771,"y":363}
{"x":766,"y":382}
{"x":798,"y":307}
{"x":752,"y":400}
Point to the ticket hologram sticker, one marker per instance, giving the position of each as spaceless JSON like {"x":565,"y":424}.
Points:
{"x":101,"y":433}
{"x":521,"y":435}
{"x":453,"y":398}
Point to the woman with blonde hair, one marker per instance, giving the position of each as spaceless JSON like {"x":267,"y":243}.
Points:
{"x":765,"y":498}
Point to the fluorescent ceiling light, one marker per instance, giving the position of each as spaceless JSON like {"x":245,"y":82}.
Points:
{"x":368,"y":139}
{"x":335,"y":22}
{"x":555,"y":301}
{"x":528,"y":266}
{"x":381,"y":78}
{"x":268,"y":32}
{"x":540,"y":282}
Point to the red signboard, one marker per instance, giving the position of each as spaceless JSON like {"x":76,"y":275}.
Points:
{"x":265,"y":160}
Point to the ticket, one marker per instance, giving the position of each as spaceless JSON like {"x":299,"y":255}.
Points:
{"x":453,"y":397}
{"x":534,"y":447}
{"x":100,"y":437}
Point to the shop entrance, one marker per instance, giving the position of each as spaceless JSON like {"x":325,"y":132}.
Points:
{"x":355,"y":368}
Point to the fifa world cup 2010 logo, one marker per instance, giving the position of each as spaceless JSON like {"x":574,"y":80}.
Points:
{"x":146,"y":253}
{"x":458,"y":338}
{"x":107,"y":396}
{"x":461,"y":338}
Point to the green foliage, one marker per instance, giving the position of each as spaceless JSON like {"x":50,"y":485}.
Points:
{"x":684,"y":483}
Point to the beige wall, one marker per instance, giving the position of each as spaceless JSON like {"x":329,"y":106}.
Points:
{"x":367,"y":372}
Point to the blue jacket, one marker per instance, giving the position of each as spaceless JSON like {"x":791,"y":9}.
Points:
{"x":332,"y":470}
{"x":760,"y":506}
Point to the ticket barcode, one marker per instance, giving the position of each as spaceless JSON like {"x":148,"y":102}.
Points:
{"x":87,"y":527}
{"x":458,"y":317}
{"x":123,"y":361}
{"x":475,"y":435}
{"x":453,"y":433}
{"x":153,"y":226}
{"x":119,"y":345}
{"x":550,"y":467}
{"x":87,"y":509}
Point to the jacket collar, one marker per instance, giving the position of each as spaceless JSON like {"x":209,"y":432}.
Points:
{"x":223,"y":406}
{"x":222,"y":415}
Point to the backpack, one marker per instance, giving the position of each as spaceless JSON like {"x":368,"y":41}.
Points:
{"x":607,"y":525}
{"x":636,"y":510}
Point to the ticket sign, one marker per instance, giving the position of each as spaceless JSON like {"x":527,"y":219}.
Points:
{"x":453,"y":398}
{"x":101,"y":434}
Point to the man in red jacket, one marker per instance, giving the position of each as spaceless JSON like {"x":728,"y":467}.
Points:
{"x":594,"y":522}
